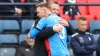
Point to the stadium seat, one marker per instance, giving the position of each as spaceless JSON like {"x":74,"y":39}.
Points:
{"x":26,"y":25}
{"x":83,"y":9}
{"x":9,"y":26}
{"x":66,"y":17}
{"x":95,"y":26}
{"x":8,"y":40}
{"x":7,"y":51}
{"x":98,"y":17}
{"x":94,"y":10}
{"x":22,"y":37}
{"x":73,"y":23}
{"x":96,"y":36}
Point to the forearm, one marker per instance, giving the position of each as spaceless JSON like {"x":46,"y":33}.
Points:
{"x":33,"y":32}
{"x":70,"y":30}
{"x":91,"y":47}
{"x":45,"y":33}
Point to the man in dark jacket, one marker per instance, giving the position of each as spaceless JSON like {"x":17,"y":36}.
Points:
{"x":26,"y":47}
{"x":82,"y":42}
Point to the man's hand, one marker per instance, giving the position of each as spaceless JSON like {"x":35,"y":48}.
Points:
{"x":64,"y":22}
{"x":33,"y":24}
{"x":57,"y":28}
{"x":19,"y":11}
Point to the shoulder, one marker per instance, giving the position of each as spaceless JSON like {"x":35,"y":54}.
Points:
{"x":88,"y":33}
{"x":42,"y":20}
{"x":76,"y":34}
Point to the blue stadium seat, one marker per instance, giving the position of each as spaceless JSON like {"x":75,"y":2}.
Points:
{"x":9,"y":25}
{"x":7,"y":51}
{"x":94,"y":25}
{"x":96,"y":36}
{"x":73,"y":23}
{"x":26,"y":25}
{"x":22,"y":37}
{"x":8,"y":38}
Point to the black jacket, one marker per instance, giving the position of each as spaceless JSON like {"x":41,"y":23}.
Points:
{"x":24,"y":50}
{"x":83,"y":44}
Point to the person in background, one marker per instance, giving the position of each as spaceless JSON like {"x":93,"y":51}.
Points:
{"x":71,"y":10}
{"x":10,"y":10}
{"x":26,"y":47}
{"x":82,"y":42}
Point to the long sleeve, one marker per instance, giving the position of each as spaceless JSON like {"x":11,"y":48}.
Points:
{"x":36,"y":29}
{"x":77,"y":47}
{"x":93,"y":45}
{"x":70,"y":30}
{"x":45,"y":33}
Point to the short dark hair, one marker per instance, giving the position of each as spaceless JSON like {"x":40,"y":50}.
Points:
{"x":82,"y":18}
{"x":42,"y":4}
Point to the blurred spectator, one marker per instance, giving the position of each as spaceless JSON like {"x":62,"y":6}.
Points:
{"x":71,"y":10}
{"x":26,"y":47}
{"x":10,"y":10}
{"x":82,"y":42}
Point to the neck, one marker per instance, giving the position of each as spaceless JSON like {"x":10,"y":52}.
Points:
{"x":31,"y":46}
{"x":80,"y":32}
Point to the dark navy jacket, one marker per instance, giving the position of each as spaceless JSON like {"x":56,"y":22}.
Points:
{"x":98,"y":50}
{"x":83,"y":44}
